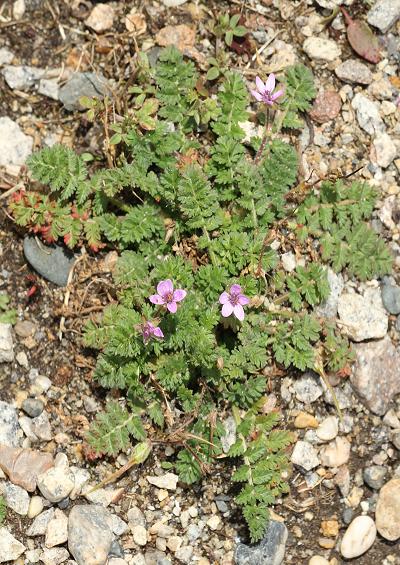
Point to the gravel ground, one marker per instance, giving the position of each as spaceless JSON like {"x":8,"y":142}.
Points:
{"x":344,"y":504}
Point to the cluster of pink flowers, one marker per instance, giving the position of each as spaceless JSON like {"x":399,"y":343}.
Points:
{"x":232,"y":303}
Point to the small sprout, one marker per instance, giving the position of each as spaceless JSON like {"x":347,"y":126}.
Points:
{"x":149,"y":330}
{"x":233,"y":302}
{"x":166,"y":295}
{"x":265,"y":92}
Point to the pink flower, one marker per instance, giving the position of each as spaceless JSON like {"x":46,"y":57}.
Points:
{"x":167,"y":295}
{"x":233,"y":302}
{"x":265,"y":92}
{"x":149,"y":330}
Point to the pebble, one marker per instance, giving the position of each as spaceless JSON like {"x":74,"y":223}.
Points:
{"x":347,"y":515}
{"x":57,"y":529}
{"x":81,"y":479}
{"x":214,"y":523}
{"x":307,"y":389}
{"x":103,"y":496}
{"x":318,"y":560}
{"x":87,"y":84}
{"x":35,"y":506}
{"x":54,"y":556}
{"x":89,"y":534}
{"x":305,"y":456}
{"x":353,"y":71}
{"x":387,"y":514}
{"x":358,"y":538}
{"x":6,"y":341}
{"x":229,"y":436}
{"x":39,"y":525}
{"x":136,"y":517}
{"x":139,"y":535}
{"x":167,"y":481}
{"x":391,"y":419}
{"x":336,"y":453}
{"x":384,"y":14}
{"x":374,"y":476}
{"x":173,"y":3}
{"x":16,"y":498}
{"x":342,"y":480}
{"x":374,"y":359}
{"x":391,"y":296}
{"x":49,"y":87}
{"x":22,"y":359}
{"x":395,"y":438}
{"x":6,"y":56}
{"x":101,"y":18}
{"x":304,"y":420}
{"x":118,"y":526}
{"x":321,"y":49}
{"x":326,"y":107}
{"x":270,"y":550}
{"x":56,"y":483}
{"x":289,"y":261}
{"x":33,"y":407}
{"x":328,"y":429}
{"x":24,"y":328}
{"x":22,"y":77}
{"x":24,"y":465}
{"x":10,"y":548}
{"x":363,"y":316}
{"x":328,"y":308}
{"x":385,"y":150}
{"x":368,"y":115}
{"x":52,"y":262}
{"x":8,"y":425}
{"x":41,"y":427}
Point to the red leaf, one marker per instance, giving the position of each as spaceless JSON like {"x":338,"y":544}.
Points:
{"x":362,"y":39}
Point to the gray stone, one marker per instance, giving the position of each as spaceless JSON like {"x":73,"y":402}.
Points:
{"x":376,"y":377}
{"x":16,"y":498}
{"x":82,"y":84}
{"x":54,"y":556}
{"x":115,"y":549}
{"x":41,"y":427}
{"x":49,"y":87}
{"x":15,"y":146}
{"x":6,"y":344}
{"x":22,"y":77}
{"x":321,"y":49}
{"x":9,"y":426}
{"x":10,"y":548}
{"x":33,"y":407}
{"x":89,"y":534}
{"x":391,"y":297}
{"x":347,"y":515}
{"x":39,"y":525}
{"x":385,"y":150}
{"x":384,"y":14}
{"x":368,"y":114}
{"x":6,"y":56}
{"x":307,"y":388}
{"x":328,"y":308}
{"x":363,"y":316}
{"x":395,"y":438}
{"x":305,"y":456}
{"x":56,"y":483}
{"x":53,"y":262}
{"x":374,"y":476}
{"x":229,"y":437}
{"x":270,"y":551}
{"x":353,"y":71}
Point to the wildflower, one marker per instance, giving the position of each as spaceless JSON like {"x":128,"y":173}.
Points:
{"x":149,"y":330}
{"x":233,"y":302}
{"x":168,"y":296}
{"x":265,"y":92}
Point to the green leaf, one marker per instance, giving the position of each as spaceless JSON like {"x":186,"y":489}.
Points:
{"x":212,"y":73}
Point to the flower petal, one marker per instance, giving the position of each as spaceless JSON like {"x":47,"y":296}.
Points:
{"x":236,"y":289}
{"x":158,"y":332}
{"x":256,"y":95}
{"x":224,"y":298}
{"x":156,"y":299}
{"x":270,"y":84}
{"x":227,"y":309}
{"x":165,"y":287}
{"x":277,"y":94}
{"x":172,"y":307}
{"x":239,"y":312}
{"x":243,"y":300}
{"x":260,"y":85}
{"x":179,"y":294}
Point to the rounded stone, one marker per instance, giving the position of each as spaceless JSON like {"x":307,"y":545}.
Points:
{"x":358,"y":538}
{"x":388,"y":510}
{"x":328,"y":429}
{"x":354,"y":71}
{"x":33,"y":407}
{"x":374,"y":476}
{"x":318,"y":560}
{"x":139,"y":535}
{"x":326,"y":107}
{"x":391,"y":298}
{"x":35,"y":506}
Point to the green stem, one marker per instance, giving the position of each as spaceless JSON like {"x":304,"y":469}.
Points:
{"x":213,"y":257}
{"x":264,"y":139}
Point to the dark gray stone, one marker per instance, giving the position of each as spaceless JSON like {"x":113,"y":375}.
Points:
{"x":82,"y":84}
{"x":116,"y":550}
{"x":63,"y":504}
{"x":33,"y":407}
{"x":51,"y":261}
{"x":9,"y":425}
{"x":347,"y":515}
{"x":391,"y":297}
{"x":374,"y":476}
{"x":270,"y":551}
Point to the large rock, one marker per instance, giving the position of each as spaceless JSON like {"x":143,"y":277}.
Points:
{"x":270,"y":551}
{"x":359,"y":537}
{"x":10,"y":548}
{"x":15,"y":146}
{"x":23,"y":466}
{"x":387,"y":515}
{"x":376,"y":377}
{"x":89,"y":534}
{"x":6,"y":344}
{"x":53,"y":262}
{"x":91,"y":85}
{"x":363,"y":316}
{"x":9,"y":426}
